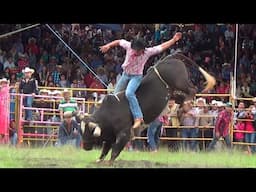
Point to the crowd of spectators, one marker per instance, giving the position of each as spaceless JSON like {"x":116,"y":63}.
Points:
{"x":210,"y":45}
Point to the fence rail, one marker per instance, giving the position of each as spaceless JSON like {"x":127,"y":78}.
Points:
{"x":41,"y":124}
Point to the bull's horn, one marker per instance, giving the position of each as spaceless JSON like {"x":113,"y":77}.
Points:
{"x":92,"y":125}
{"x":210,"y":80}
{"x":97,"y":131}
{"x":83,"y":126}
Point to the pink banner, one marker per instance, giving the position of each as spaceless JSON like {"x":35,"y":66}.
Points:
{"x":4,"y":112}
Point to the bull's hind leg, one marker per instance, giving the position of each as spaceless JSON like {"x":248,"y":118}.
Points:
{"x":105,"y":149}
{"x":121,"y":140}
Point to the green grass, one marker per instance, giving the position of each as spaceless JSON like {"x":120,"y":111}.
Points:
{"x":69,"y":157}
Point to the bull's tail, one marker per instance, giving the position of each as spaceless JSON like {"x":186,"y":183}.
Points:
{"x":210,"y":80}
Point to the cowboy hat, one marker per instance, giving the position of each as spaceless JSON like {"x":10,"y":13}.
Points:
{"x":201,"y":99}
{"x":44,"y":91}
{"x":214,"y":102}
{"x":3,"y":80}
{"x":138,"y":44}
{"x":56,"y":92}
{"x":28,"y":70}
{"x":220,"y":104}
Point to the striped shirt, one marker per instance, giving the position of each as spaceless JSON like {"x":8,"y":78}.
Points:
{"x":134,"y":65}
{"x":68,"y":106}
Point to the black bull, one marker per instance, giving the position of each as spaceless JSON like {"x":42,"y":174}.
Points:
{"x":114,"y":118}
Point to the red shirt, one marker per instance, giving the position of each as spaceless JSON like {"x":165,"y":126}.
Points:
{"x":96,"y":84}
{"x":222,"y":123}
{"x":34,"y":48}
{"x":88,"y":79}
{"x":248,"y":124}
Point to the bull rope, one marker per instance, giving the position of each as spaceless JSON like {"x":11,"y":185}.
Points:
{"x":158,"y":74}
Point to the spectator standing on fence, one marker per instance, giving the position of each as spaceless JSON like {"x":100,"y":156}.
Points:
{"x":69,"y":131}
{"x":67,"y":104}
{"x":28,"y":85}
{"x":222,"y":127}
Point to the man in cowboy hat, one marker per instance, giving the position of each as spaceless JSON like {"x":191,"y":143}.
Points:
{"x":67,"y":104}
{"x":221,"y":128}
{"x":136,"y":57}
{"x":69,"y":131}
{"x":28,"y":85}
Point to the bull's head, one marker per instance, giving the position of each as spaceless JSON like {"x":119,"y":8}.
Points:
{"x":89,"y":130}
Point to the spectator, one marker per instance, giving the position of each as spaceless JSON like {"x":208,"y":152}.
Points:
{"x":102,"y":74}
{"x":45,"y":56}
{"x":187,"y":118}
{"x":43,"y":76}
{"x":32,"y":46}
{"x":49,"y":80}
{"x":69,"y":131}
{"x":245,"y":90}
{"x":7,"y":73}
{"x":28,"y":85}
{"x":249,"y":127}
{"x":111,"y":85}
{"x":13,"y":133}
{"x":153,"y":134}
{"x":240,"y":124}
{"x":174,"y":122}
{"x":204,"y":119}
{"x":67,"y":104}
{"x":91,"y":106}
{"x":88,"y":79}
{"x":96,"y":84}
{"x":63,"y":82}
{"x":22,"y":62}
{"x":56,"y":74}
{"x":9,"y":63}
{"x":222,"y":127}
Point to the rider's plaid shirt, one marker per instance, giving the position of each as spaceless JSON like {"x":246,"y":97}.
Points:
{"x":134,"y":65}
